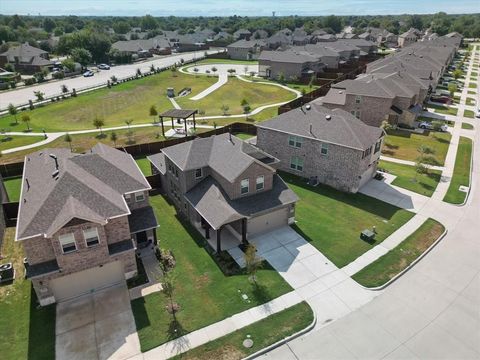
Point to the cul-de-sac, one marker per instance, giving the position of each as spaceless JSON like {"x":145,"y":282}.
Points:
{"x":237,"y":180}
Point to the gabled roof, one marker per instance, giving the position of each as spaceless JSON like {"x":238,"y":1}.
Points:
{"x":330,"y":126}
{"x":139,"y":45}
{"x":88,"y":186}
{"x":287,"y":56}
{"x":247,"y":44}
{"x":226,"y":154}
{"x":23,"y":51}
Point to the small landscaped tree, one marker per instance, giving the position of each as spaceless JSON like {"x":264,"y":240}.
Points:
{"x":457,"y":74}
{"x":152,"y":68}
{"x":174,"y":70}
{"x":246,"y":108}
{"x":252,"y":262}
{"x":225,"y":109}
{"x":214,"y":69}
{"x":195,"y":69}
{"x":114,"y":138}
{"x":138,"y":72}
{"x":243,"y":102}
{"x":114,"y":79}
{"x":128,"y":122}
{"x":231,"y":71}
{"x":425,"y":157}
{"x":281,"y":78}
{"x":26,"y":119}
{"x":252,"y":73}
{"x":386,"y":125}
{"x":12,"y":110}
{"x":153,"y":112}
{"x":452,"y":88}
{"x":99,"y":124}
{"x":64,"y":89}
{"x":68,"y":139}
{"x":39,"y":95}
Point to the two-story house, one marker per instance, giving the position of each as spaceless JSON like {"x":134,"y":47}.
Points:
{"x":225,"y":187}
{"x":289,"y":63}
{"x":330,"y":147}
{"x":80,"y":219}
{"x":245,"y":49}
{"x":408,"y":37}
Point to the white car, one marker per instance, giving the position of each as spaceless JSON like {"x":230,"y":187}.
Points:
{"x":477,"y":114}
{"x":429,"y":126}
{"x":103,"y":67}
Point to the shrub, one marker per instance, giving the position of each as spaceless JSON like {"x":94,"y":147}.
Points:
{"x":30,"y":81}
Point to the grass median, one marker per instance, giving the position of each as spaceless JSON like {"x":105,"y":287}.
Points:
{"x":461,"y":172}
{"x":263,"y":333}
{"x":388,"y":266}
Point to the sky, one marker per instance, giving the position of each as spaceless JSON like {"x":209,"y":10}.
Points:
{"x":235,"y":7}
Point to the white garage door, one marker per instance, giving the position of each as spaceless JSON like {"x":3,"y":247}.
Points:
{"x":87,"y":281}
{"x":267,"y":222}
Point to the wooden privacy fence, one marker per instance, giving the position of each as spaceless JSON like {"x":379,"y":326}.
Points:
{"x":138,"y":150}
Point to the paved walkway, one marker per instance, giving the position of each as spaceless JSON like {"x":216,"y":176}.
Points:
{"x":222,"y":80}
{"x":408,"y":162}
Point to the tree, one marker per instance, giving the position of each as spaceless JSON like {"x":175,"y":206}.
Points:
{"x":138,"y":73}
{"x":281,"y":78}
{"x":174,"y":70}
{"x":128,"y":122}
{"x":114,"y":138}
{"x":82,"y":56}
{"x":153,"y":112}
{"x":425,"y":156}
{"x":26,"y":119}
{"x":246,"y":108}
{"x":99,"y":124}
{"x":121,"y":27}
{"x":195,"y":69}
{"x":243,"y":102}
{"x":225,"y":109}
{"x":49,"y":24}
{"x":64,"y":89}
{"x":214,"y":69}
{"x":69,"y":64}
{"x":148,"y":22}
{"x":452,"y":88}
{"x":113,"y":78}
{"x":231,"y":71}
{"x":252,"y":262}
{"x":333,"y":22}
{"x":152,"y":68}
{"x":39,"y":95}
{"x":457,"y":74}
{"x":68,"y":139}
{"x":386,"y":126}
{"x":12,"y":110}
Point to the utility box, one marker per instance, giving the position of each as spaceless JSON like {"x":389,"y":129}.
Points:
{"x":170,"y":92}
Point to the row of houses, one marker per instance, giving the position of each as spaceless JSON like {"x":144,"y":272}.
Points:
{"x":26,"y":59}
{"x":394,"y":88}
{"x":83,"y":216}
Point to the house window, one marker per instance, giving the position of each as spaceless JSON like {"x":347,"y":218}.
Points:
{"x":67,"y":242}
{"x":324,"y":149}
{"x":358,"y":99}
{"x":198,"y":173}
{"x":367,"y":152}
{"x":139,"y":196}
{"x":295,"y":141}
{"x":91,"y":236}
{"x":260,"y":183}
{"x":296,"y":163}
{"x":244,"y":186}
{"x":377,"y":146}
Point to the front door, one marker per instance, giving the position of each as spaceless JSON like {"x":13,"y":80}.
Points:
{"x":142,"y":240}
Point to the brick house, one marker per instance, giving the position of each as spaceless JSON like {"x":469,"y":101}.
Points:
{"x":289,"y":63}
{"x":80,"y":219}
{"x":330,"y":147}
{"x":225,"y":187}
{"x":246,"y":49}
{"x":26,"y":59}
{"x":408,"y":37}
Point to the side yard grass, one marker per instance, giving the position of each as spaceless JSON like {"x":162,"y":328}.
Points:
{"x":402,"y":144}
{"x":467,"y":126}
{"x":10,"y":142}
{"x":470,"y":101}
{"x":13,"y":187}
{"x":461,"y":172}
{"x":26,"y":332}
{"x":396,"y":260}
{"x":144,"y":165}
{"x":263,"y":333}
{"x":204,"y":293}
{"x":443,"y":109}
{"x":468,"y":113}
{"x":332,"y":220}
{"x":408,"y":178}
{"x":472,"y":85}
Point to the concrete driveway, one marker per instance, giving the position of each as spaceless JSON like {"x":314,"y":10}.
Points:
{"x":97,"y":326}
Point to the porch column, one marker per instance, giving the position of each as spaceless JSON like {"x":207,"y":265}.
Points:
{"x":207,"y":231}
{"x":155,"y":241}
{"x":173,"y":126}
{"x":219,"y":246}
{"x":163,"y":128}
{"x":244,"y":231}
{"x":194,"y":123}
{"x":185,"y":123}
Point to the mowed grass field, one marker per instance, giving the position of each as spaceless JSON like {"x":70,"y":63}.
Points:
{"x":132,"y":101}
{"x":9,"y":142}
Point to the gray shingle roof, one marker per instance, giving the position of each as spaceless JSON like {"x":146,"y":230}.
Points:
{"x":287,"y":56}
{"x":142,"y":219}
{"x":227,"y":156}
{"x":342,"y":128}
{"x":247,"y":44}
{"x":89,"y":186}
{"x":139,"y":45}
{"x":214,"y":205}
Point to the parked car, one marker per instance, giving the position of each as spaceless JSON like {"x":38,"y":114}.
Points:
{"x":103,"y":67}
{"x":88,"y":73}
{"x":441,"y":99}
{"x":477,"y":114}
{"x":429,"y":126}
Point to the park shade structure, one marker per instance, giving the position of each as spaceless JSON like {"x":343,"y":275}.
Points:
{"x":179,"y":114}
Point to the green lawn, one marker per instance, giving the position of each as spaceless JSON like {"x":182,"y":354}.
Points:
{"x":130,"y":100}
{"x":25,"y":331}
{"x":472,"y":85}
{"x":461,"y":172}
{"x":244,"y":136}
{"x":471,"y":92}
{"x":470,"y":101}
{"x":449,"y":123}
{"x":332,"y":220}
{"x":10,"y":142}
{"x":408,"y":178}
{"x":233,"y":92}
{"x":144,"y":165}
{"x":392,"y":263}
{"x":205,"y":294}
{"x":467,"y":126}
{"x":263,"y":333}
{"x":13,"y":186}
{"x":227,"y":61}
{"x":403,"y":144}
{"x":443,"y":109}
{"x":468,"y":113}
{"x":473,"y":73}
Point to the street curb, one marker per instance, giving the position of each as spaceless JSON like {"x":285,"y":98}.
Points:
{"x":284,"y":340}
{"x":401,"y":273}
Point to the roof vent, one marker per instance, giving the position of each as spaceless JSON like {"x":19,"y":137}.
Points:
{"x":311,"y":129}
{"x":328,"y":117}
{"x":340,"y":92}
{"x":308,"y":106}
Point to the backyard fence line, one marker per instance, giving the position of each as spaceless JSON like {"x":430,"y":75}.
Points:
{"x":16,"y":169}
{"x":60,"y":96}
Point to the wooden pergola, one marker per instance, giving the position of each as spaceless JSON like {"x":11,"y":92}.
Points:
{"x":178,"y":114}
